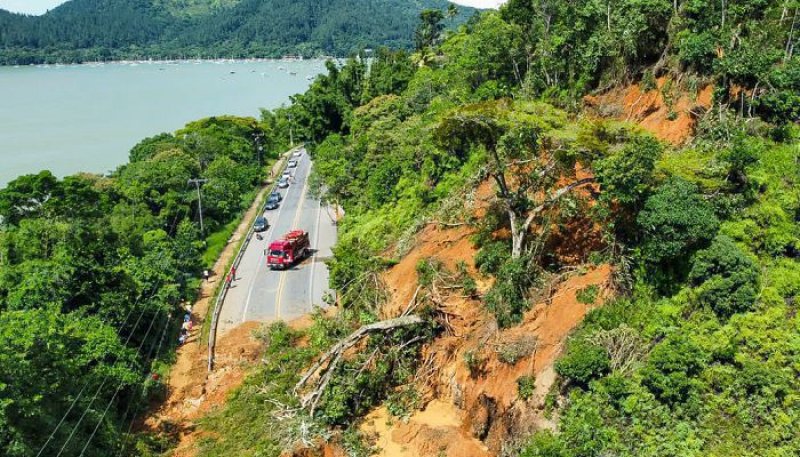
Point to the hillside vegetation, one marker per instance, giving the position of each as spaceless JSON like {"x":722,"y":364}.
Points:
{"x":94,"y":273}
{"x":697,"y":351}
{"x":97,"y":30}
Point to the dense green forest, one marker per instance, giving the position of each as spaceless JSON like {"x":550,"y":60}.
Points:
{"x":93,"y":273}
{"x":704,"y":237}
{"x":99,"y":30}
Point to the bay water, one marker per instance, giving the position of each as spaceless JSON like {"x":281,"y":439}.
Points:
{"x":74,"y":118}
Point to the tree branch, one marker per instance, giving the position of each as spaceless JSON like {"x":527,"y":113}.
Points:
{"x":553,"y":198}
{"x":324,"y":372}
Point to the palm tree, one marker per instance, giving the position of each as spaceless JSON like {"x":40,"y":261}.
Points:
{"x":452,"y":12}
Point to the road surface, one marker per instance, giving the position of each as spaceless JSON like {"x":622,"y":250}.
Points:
{"x":261,"y":294}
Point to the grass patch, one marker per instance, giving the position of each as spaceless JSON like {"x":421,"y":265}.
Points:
{"x":216,"y":242}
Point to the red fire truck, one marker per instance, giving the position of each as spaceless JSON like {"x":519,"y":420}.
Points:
{"x":291,"y":248}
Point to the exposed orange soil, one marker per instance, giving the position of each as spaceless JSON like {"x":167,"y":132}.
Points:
{"x":434,"y":431}
{"x":490,"y":398}
{"x":650,"y":109}
{"x":469,"y":414}
{"x":474,"y":414}
{"x":204,"y":392}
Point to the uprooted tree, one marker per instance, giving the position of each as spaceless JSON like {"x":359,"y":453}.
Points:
{"x":316,"y":379}
{"x":526,"y":174}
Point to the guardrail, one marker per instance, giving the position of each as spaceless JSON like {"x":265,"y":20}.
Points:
{"x":212,"y":334}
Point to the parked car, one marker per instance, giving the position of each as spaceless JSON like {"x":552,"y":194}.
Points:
{"x":292,"y":164}
{"x":271,"y":204}
{"x":283,"y":183}
{"x":297,"y":153}
{"x":261,"y":224}
{"x":286,"y":174}
{"x":275,"y":195}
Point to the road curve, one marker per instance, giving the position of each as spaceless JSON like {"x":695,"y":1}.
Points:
{"x":264,"y":295}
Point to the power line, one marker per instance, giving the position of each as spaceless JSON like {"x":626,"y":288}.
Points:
{"x":116,"y":392}
{"x":105,"y":380}
{"x":158,"y":352}
{"x":75,"y":401}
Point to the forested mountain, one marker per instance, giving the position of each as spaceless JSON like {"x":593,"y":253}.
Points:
{"x":104,"y":29}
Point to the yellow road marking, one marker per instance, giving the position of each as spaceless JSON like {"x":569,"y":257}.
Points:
{"x":293,"y":227}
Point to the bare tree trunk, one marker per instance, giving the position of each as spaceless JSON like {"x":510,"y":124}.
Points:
{"x":519,"y":231}
{"x":517,"y":235}
{"x":790,"y":42}
{"x":324,"y":368}
{"x":723,"y":14}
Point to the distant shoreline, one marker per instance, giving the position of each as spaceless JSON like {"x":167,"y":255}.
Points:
{"x":285,"y":59}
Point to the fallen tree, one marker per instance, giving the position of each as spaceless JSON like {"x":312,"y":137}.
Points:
{"x":319,"y":375}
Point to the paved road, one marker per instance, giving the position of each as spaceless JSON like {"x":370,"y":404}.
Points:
{"x":261,"y":294}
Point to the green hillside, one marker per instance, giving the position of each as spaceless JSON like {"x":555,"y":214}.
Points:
{"x":695,"y":351}
{"x":82,"y":30}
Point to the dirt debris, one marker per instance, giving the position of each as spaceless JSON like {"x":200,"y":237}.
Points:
{"x":434,"y":431}
{"x":669,"y":114}
{"x":477,"y":404}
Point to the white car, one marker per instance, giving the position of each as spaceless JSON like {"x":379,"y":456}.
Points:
{"x":283,"y":183}
{"x":286,"y":174}
{"x":292,"y":164}
{"x":297,"y":153}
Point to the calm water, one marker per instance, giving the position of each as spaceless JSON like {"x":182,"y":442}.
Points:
{"x":86,"y":118}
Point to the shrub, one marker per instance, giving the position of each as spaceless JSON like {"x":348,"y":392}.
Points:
{"x":507,"y":299}
{"x":492,"y":256}
{"x":474,"y":360}
{"x":526,"y":386}
{"x":626,"y":176}
{"x":726,"y":278}
{"x":588,"y":295}
{"x":675,"y":221}
{"x":467,"y":282}
{"x":516,"y":349}
{"x":426,"y":271}
{"x":403,"y":402}
{"x":583,"y":363}
{"x":671,"y":372}
{"x":545,"y":444}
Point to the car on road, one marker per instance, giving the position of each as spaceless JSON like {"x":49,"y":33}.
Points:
{"x":261,"y":224}
{"x":283,"y":183}
{"x":275,"y":195}
{"x":292,"y":164}
{"x":271,"y":204}
{"x":286,"y":174}
{"x":297,"y":153}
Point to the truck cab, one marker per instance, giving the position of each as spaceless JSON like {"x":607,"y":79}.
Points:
{"x":288,"y":250}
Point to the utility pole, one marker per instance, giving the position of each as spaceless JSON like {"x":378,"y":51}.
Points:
{"x":257,"y":137}
{"x":291,"y":133}
{"x":197,"y":183}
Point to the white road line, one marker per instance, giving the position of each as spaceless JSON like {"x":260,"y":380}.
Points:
{"x":314,"y":259}
{"x":294,"y":225}
{"x":261,"y":256}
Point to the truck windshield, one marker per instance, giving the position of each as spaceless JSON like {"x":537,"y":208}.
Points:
{"x":276,"y":253}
